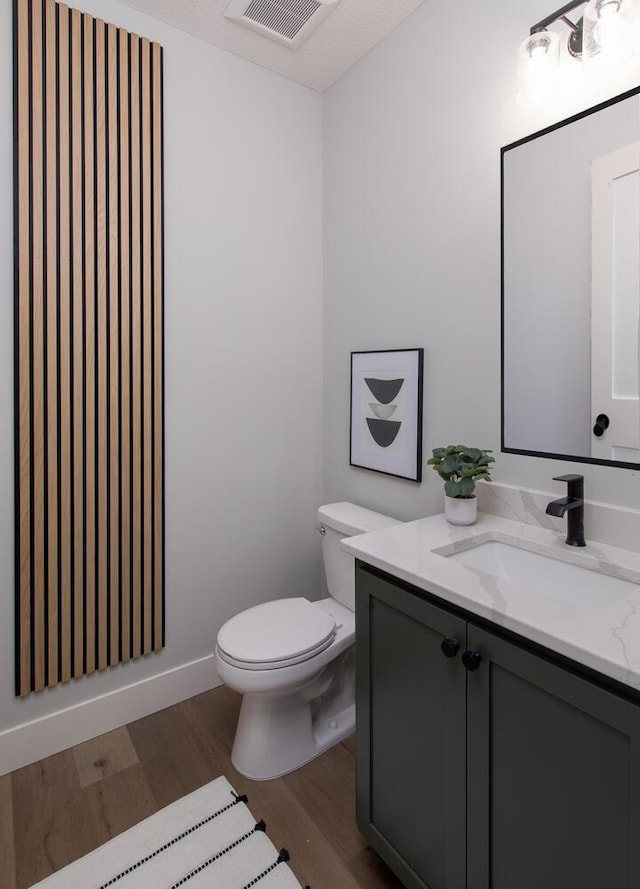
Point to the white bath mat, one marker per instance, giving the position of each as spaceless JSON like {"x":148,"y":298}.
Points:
{"x":206,"y":839}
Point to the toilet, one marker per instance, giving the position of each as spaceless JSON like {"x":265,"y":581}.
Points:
{"x":292,"y":660}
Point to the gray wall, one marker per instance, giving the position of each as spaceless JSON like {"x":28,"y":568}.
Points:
{"x":412,"y":235}
{"x":243,"y":349}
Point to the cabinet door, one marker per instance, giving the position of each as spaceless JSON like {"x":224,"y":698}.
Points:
{"x":410,"y":734}
{"x":553,"y":775}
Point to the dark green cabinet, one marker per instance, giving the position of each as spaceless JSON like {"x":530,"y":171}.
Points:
{"x":512,"y":772}
{"x":410,"y":722}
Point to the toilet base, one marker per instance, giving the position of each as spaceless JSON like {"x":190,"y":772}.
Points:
{"x":278,"y":735}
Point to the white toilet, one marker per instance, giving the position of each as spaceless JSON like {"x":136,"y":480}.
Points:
{"x":293,"y":661}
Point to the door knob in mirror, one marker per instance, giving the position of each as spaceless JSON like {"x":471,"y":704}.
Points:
{"x":602,"y":423}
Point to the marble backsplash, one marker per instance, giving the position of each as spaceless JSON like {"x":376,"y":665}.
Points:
{"x":603,"y":522}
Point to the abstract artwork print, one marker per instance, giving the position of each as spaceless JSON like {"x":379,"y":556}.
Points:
{"x":386,"y":411}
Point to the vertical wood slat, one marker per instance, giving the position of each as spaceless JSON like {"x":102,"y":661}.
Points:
{"x":89,"y":345}
{"x":102,"y":341}
{"x":51,"y":339}
{"x":146,"y":316}
{"x":24,"y":579}
{"x":64,"y":219}
{"x":135,"y":333}
{"x":113,"y":335}
{"x":89,"y":335}
{"x":158,"y":351}
{"x":38,"y":346}
{"x":125,"y":344}
{"x":77,"y":339}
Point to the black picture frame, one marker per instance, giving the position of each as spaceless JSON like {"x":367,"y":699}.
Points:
{"x":385,"y":428}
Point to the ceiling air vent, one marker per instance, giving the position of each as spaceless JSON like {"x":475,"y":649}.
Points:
{"x":289,"y":22}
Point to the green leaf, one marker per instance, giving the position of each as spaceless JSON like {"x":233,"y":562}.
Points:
{"x":449,"y":465}
{"x":467,"y":486}
{"x":452,"y":489}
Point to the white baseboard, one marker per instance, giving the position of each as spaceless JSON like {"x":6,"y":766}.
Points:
{"x":50,"y":734}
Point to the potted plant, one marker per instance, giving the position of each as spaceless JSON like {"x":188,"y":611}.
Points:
{"x":461,"y":467}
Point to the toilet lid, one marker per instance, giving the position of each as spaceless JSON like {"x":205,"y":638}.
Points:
{"x":276,"y":631}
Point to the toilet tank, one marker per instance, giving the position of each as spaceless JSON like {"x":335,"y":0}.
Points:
{"x":340,"y":520}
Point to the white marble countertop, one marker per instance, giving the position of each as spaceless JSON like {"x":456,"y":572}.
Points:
{"x":605,"y":638}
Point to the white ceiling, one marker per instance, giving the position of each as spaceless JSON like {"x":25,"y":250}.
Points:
{"x":350,"y":31}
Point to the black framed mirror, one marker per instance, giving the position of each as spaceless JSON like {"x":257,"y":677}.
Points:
{"x":570,"y":239}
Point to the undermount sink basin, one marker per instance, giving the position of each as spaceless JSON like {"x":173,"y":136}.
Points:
{"x":577,"y":585}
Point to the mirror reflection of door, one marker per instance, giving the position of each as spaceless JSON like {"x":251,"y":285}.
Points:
{"x":550,"y":250}
{"x":615,"y":304}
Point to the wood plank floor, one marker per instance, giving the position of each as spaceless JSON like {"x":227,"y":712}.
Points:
{"x":60,"y":808}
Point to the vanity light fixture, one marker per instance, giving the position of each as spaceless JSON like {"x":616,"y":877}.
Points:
{"x":607,"y":31}
{"x":604,"y":32}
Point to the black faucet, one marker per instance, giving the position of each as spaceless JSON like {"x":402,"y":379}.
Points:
{"x":573,"y":505}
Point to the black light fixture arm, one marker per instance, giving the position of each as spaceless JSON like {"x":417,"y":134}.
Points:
{"x":558,"y":14}
{"x":571,"y":24}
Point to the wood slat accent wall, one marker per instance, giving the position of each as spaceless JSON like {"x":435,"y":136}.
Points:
{"x":89,"y":344}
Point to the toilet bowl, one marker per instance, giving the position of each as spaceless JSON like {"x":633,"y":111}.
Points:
{"x":292,"y":660}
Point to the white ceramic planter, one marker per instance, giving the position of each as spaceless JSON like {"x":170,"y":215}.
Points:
{"x":461,"y":511}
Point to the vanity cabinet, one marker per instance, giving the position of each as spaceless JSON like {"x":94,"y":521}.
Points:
{"x":512,"y":771}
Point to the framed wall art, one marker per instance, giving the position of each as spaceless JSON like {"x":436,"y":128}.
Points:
{"x":386,"y":412}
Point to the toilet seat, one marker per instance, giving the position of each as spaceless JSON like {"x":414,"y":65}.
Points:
{"x":276,"y":634}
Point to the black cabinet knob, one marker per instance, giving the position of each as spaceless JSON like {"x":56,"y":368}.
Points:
{"x":471,"y":659}
{"x":449,"y":647}
{"x":602,"y":423}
